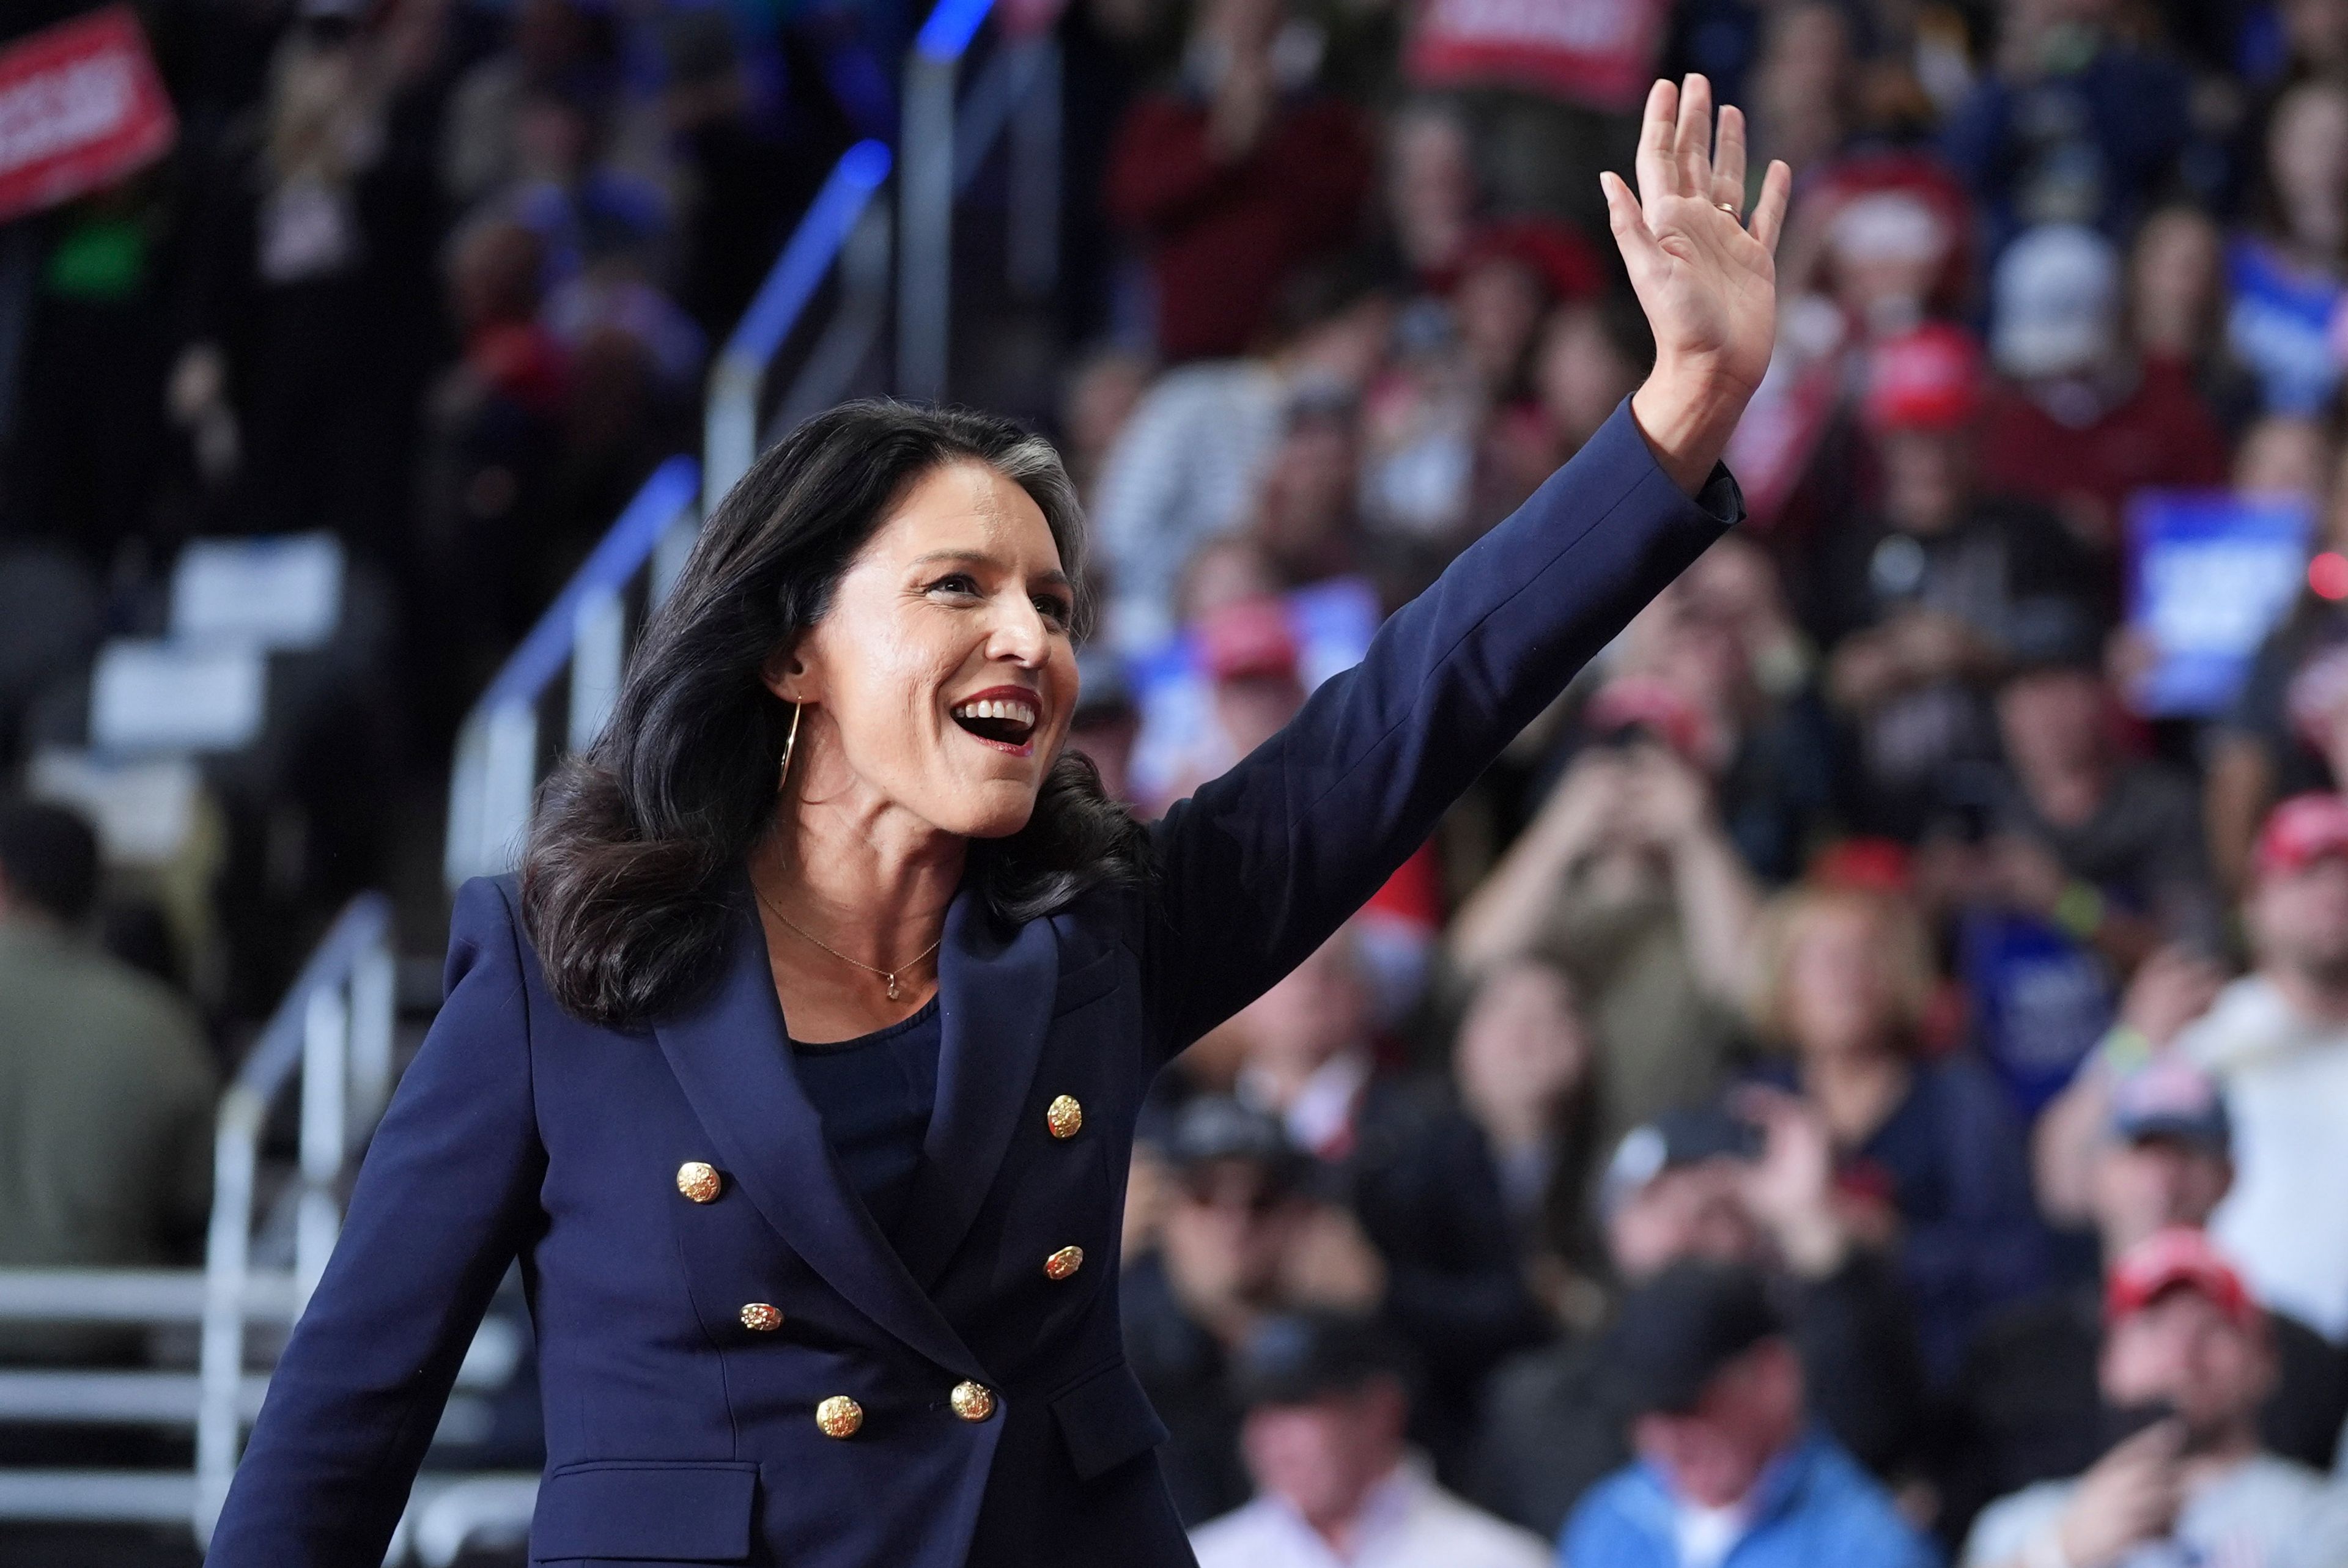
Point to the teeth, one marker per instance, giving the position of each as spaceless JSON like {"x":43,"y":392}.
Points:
{"x":997,"y":708}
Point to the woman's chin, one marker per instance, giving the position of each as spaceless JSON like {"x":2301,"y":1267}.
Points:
{"x":995,"y":809}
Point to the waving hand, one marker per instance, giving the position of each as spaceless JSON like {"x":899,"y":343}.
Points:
{"x":1707,"y":280}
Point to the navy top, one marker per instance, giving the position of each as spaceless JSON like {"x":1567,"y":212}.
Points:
{"x":875,"y":1094}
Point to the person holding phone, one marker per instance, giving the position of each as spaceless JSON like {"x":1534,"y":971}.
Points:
{"x":2185,"y":1364}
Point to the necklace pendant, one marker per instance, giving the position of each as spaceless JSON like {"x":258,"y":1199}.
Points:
{"x":892,"y":988}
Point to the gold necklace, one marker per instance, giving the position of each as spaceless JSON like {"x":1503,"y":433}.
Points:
{"x":888,"y":975}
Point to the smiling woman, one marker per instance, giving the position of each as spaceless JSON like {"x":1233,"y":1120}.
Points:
{"x":800,"y":1068}
{"x":902,"y":582}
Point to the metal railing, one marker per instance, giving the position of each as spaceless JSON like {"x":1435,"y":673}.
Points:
{"x":842,"y":225}
{"x":334,"y":1027}
{"x":333,"y":1031}
{"x":1017,"y":92}
{"x":586,"y":632}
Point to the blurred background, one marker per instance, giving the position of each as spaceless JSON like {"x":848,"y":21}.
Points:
{"x":1910,"y":968}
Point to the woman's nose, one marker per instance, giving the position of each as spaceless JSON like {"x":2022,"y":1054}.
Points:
{"x":1020,"y":636}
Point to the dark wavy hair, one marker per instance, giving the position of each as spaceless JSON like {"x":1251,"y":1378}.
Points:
{"x":623,"y":880}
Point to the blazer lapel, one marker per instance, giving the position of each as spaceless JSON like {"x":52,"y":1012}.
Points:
{"x":995,"y":1002}
{"x":729,"y":1053}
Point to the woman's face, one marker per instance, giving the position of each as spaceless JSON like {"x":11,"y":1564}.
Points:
{"x":1497,"y":305}
{"x":2179,"y":264}
{"x":1523,"y":1040}
{"x":1838,"y":997}
{"x":1431,"y":188}
{"x":941,"y":680}
{"x":2307,"y":150}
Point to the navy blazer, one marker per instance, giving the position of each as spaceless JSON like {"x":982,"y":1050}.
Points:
{"x":677,"y":1433}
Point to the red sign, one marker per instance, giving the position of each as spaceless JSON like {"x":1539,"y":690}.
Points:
{"x":1600,"y":54}
{"x":80,"y":106}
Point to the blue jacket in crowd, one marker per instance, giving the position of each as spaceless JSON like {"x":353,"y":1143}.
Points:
{"x":1817,"y":1507}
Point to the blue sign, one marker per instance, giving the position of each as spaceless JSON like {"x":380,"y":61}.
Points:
{"x":2210,"y":574}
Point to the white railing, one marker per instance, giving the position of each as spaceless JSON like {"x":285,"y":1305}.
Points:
{"x":843,"y":226}
{"x":334,"y":1032}
{"x":948,"y":135}
{"x":500,"y":753}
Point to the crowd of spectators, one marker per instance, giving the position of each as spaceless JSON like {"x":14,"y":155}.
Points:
{"x":1796,"y":1110}
{"x":1861,"y":1081}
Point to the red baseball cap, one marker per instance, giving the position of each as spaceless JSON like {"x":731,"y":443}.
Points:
{"x":1928,"y":379}
{"x":1644,"y":702}
{"x":1869,"y":865}
{"x":2178,"y":1257}
{"x":2302,"y":830}
{"x":1248,"y":637}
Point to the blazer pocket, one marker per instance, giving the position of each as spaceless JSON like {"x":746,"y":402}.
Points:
{"x":1106,"y":1420}
{"x":646,"y":1510}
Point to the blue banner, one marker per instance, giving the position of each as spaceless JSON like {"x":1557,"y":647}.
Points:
{"x":2210,"y":574}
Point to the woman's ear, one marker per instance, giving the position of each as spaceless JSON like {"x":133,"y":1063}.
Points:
{"x":786,"y":675}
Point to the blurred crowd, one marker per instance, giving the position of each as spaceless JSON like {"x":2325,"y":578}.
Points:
{"x":436,"y":280}
{"x":1858,"y":1083}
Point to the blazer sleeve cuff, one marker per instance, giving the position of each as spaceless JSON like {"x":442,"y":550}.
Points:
{"x":1721,"y":499}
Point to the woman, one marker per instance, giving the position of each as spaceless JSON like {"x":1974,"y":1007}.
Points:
{"x":2284,"y":273}
{"x":1525,"y":1061}
{"x":801,"y":1067}
{"x":1929,"y":1157}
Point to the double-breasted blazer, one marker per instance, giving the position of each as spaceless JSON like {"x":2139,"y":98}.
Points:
{"x":687,"y":1347}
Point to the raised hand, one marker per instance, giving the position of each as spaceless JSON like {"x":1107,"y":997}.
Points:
{"x":1707,"y":281}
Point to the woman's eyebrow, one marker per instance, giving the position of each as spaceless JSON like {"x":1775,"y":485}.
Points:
{"x":1055,"y":578}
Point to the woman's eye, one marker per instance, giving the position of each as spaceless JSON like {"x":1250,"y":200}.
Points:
{"x":1058,"y":611}
{"x":960,"y":584}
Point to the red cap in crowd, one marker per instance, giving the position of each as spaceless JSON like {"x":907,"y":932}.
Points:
{"x":1644,"y":702}
{"x":2302,"y":831}
{"x":1248,"y":637}
{"x":1869,"y":865}
{"x":2178,"y":1257}
{"x":1928,"y":379}
{"x":1558,"y":255}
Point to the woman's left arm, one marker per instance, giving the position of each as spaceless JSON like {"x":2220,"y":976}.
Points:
{"x":1263,"y":863}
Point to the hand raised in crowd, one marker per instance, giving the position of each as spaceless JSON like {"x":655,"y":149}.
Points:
{"x":1666,"y":801}
{"x":1707,"y":282}
{"x":1914,"y":647}
{"x":2170,"y":989}
{"x":2129,"y":1496}
{"x":1790,"y":1188}
{"x":1586,"y":808}
{"x":2025,"y":874}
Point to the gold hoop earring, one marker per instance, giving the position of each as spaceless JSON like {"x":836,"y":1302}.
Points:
{"x":790,"y":744}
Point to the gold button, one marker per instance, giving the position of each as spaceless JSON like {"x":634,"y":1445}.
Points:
{"x":973,"y":1401}
{"x":699,"y":1182}
{"x":840,"y":1416}
{"x":1063,"y":1262}
{"x":761,"y":1316}
{"x":1064,"y":1116}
